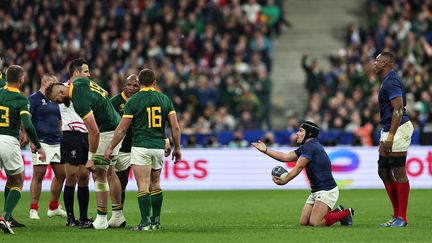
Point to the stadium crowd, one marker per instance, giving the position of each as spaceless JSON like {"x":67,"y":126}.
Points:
{"x":344,"y":98}
{"x":213,"y":58}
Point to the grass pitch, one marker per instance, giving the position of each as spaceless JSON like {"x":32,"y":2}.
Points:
{"x":237,"y":216}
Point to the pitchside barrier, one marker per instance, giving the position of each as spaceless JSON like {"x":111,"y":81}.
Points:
{"x":247,"y":169}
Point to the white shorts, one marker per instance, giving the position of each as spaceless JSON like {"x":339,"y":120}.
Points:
{"x":10,"y":155}
{"x":123,"y":161}
{"x":327,"y":197}
{"x":402,"y":138}
{"x":145,"y":156}
{"x":104,"y":142}
{"x":52,"y":154}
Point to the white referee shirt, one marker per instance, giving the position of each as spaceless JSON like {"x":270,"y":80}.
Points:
{"x":71,"y":121}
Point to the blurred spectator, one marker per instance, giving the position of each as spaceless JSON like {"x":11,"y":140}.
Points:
{"x":211,"y":142}
{"x":269,"y":140}
{"x":347,"y":97}
{"x":238,"y":141}
{"x":191,"y":142}
{"x":205,"y":53}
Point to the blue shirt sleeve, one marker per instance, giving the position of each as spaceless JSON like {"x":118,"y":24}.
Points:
{"x":307,"y":152}
{"x":393,"y":88}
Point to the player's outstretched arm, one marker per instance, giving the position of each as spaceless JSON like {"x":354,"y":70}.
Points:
{"x":282,"y":157}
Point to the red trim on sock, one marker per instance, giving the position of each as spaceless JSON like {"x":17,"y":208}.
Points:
{"x":53,"y":205}
{"x":392,"y":193}
{"x":403,"y":190}
{"x":34,"y":206}
{"x":333,"y":217}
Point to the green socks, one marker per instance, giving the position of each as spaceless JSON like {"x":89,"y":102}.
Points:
{"x":12,"y":200}
{"x":144,"y":202}
{"x":156,"y":201}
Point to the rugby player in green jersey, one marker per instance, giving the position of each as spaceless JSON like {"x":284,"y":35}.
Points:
{"x":14,"y":109}
{"x":92,"y":104}
{"x":148,"y":111}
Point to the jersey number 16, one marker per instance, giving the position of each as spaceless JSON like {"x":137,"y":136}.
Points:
{"x":154,"y":116}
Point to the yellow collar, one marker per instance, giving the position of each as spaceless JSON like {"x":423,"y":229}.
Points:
{"x":123,"y":94}
{"x":12,"y":89}
{"x":148,"y":89}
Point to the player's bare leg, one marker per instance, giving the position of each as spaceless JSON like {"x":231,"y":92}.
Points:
{"x":156,"y":198}
{"x":305,"y":215}
{"x":319,"y":210}
{"x":56,"y":189}
{"x":142,"y":176}
{"x":35,"y":189}
{"x":124,"y":179}
{"x":117,"y":219}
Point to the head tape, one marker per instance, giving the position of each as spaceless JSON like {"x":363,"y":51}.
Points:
{"x":311,"y":130}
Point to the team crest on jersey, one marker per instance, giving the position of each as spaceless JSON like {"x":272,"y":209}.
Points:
{"x":44,"y":102}
{"x":73,"y":153}
{"x":122,"y":107}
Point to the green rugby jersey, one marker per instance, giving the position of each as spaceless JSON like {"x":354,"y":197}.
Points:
{"x":2,"y":80}
{"x":149,"y":110}
{"x":119,"y":102}
{"x":88,"y":97}
{"x":13,"y":104}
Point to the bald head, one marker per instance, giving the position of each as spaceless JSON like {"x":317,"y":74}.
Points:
{"x":131,"y":85}
{"x":384,"y":63}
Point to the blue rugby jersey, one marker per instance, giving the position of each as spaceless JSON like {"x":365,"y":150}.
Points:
{"x":46,"y":118}
{"x":391,"y":88}
{"x":318,"y":169}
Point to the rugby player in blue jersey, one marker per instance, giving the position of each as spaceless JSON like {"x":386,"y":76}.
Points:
{"x":395,"y":139}
{"x":311,"y":156}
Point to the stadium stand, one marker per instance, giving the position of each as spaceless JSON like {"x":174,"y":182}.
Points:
{"x":214,"y":59}
{"x":344,"y":98}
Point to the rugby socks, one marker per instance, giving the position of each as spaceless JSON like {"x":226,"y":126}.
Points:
{"x":102,"y":210}
{"x":12,"y":200}
{"x":156,"y":201}
{"x":53,"y":205}
{"x":333,"y":217}
{"x":392,"y":192}
{"x":6,"y":192}
{"x":68,"y":197}
{"x":403,"y":194}
{"x":144,"y":202}
{"x":34,"y":206}
{"x":83,"y":201}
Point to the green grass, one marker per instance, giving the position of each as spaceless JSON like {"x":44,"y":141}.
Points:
{"x":239,"y":216}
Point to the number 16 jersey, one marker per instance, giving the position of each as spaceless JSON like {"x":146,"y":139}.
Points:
{"x":149,"y":110}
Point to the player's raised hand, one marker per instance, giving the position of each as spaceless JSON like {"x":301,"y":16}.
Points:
{"x":260,"y":146}
{"x":176,"y":155}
